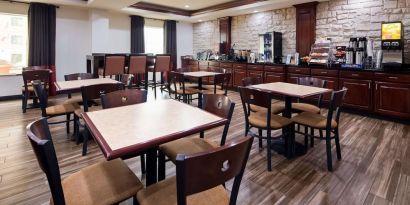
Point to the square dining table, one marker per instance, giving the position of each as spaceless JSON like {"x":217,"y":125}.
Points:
{"x":129,"y":131}
{"x":290,"y":91}
{"x":72,"y":86}
{"x":199,"y":75}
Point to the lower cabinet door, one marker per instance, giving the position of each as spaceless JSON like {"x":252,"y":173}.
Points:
{"x":272,"y":77}
{"x":238,"y":75}
{"x":359,"y":93}
{"x":392,"y":99}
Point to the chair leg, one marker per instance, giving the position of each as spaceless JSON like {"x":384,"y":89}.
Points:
{"x":337,"y":141}
{"x":161,"y":166}
{"x":135,"y":201}
{"x":77,"y":129}
{"x":24,"y":102}
{"x":328,"y":151}
{"x":142,"y":158}
{"x":85,"y":141}
{"x":312,"y":133}
{"x":155,"y":85}
{"x":269,"y":151}
{"x":68,"y":123}
{"x":260,"y":139}
{"x":306,"y":138}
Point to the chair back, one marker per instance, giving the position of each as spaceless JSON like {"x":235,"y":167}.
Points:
{"x":255,"y":97}
{"x":40,"y":92}
{"x":123,"y":97}
{"x":32,"y":75}
{"x":126,"y":79}
{"x":220,"y":70}
{"x":78,"y":76}
{"x":251,"y":81}
{"x":221,"y":106}
{"x":336,"y":102}
{"x":162,"y":63}
{"x":137,"y":64}
{"x":93,"y":92}
{"x":114,"y":64}
{"x":175,"y":80}
{"x":222,"y":164}
{"x":40,"y":138}
{"x":314,"y":82}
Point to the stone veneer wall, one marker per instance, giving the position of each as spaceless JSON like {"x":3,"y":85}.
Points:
{"x":337,"y":19}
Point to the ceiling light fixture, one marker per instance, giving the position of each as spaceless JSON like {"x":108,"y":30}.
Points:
{"x":255,"y":11}
{"x":200,"y":20}
{"x":186,"y":6}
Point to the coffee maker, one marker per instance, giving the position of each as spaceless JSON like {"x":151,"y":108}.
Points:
{"x":392,"y":45}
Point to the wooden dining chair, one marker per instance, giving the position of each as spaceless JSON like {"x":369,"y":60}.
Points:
{"x":90,"y":95}
{"x":55,"y":110}
{"x":176,"y":86}
{"x":299,"y":107}
{"x":220,"y":84}
{"x":107,"y":182}
{"x":219,"y":105}
{"x":27,"y":90}
{"x":200,"y":177}
{"x":126,"y":79}
{"x":163,"y":66}
{"x":114,"y":65}
{"x":329,"y":123}
{"x":76,"y":76}
{"x":276,"y":107}
{"x":260,"y":120}
{"x":138,"y":67}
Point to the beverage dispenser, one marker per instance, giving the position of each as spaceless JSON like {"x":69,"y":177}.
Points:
{"x":392,"y":45}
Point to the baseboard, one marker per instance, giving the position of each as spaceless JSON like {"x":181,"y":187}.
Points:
{"x":10,"y":97}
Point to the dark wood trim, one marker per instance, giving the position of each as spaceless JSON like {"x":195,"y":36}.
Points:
{"x":183,"y":12}
{"x":10,"y":97}
{"x":305,"y":27}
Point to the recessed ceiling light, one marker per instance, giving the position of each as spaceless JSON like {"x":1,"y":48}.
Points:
{"x":255,"y":11}
{"x":200,"y":20}
{"x":186,"y":6}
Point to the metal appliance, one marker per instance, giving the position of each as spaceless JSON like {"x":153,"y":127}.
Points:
{"x":392,"y":45}
{"x":270,"y":45}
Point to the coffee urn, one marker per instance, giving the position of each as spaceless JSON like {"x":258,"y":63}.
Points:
{"x":349,"y":55}
{"x":353,"y":43}
{"x":359,"y":56}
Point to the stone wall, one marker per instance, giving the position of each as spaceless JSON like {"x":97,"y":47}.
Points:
{"x":336,"y":19}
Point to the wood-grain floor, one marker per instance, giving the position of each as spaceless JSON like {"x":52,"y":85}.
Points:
{"x":375,"y":168}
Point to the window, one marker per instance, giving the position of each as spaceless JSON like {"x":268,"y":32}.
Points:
{"x":13,"y":43}
{"x":154,"y":39}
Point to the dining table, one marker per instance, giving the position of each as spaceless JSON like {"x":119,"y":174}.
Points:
{"x":290,"y":92}
{"x":73,"y":86}
{"x":129,"y":131}
{"x":200,"y":75}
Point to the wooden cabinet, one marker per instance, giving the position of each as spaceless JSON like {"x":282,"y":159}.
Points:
{"x":272,"y":77}
{"x":331,"y":83}
{"x":359,"y":93}
{"x":293,"y":78}
{"x":255,"y":74}
{"x":392,"y":99}
{"x":238,"y":75}
{"x":305,"y":27}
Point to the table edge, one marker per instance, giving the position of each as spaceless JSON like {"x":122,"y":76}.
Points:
{"x":327,"y":90}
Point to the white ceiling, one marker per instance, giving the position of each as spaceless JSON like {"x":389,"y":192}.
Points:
{"x":123,"y":6}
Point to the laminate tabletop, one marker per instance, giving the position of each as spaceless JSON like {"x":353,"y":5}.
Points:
{"x":71,"y":85}
{"x":292,"y":90}
{"x":200,"y":74}
{"x":127,"y":130}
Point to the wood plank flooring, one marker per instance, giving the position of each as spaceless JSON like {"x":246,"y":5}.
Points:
{"x":375,"y":168}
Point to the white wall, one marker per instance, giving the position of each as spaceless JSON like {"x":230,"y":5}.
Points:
{"x":185,"y":41}
{"x":73,"y":40}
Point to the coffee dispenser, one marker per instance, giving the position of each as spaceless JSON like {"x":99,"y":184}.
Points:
{"x":392,"y":45}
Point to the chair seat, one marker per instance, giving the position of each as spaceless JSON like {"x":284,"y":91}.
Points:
{"x":186,"y":146}
{"x":107,"y":182}
{"x":305,"y":107}
{"x":211,"y":87}
{"x":79,"y":111}
{"x":219,"y":92}
{"x":61,"y":109}
{"x":191,"y":85}
{"x":188,"y":91}
{"x":276,"y":107}
{"x":29,"y":87}
{"x":74,"y":100}
{"x":258,"y":120}
{"x":165,"y":193}
{"x":313,"y":120}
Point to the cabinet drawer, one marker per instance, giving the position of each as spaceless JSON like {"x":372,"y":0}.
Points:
{"x":239,"y":66}
{"x":203,"y":67}
{"x":203,"y":63}
{"x":297,"y":70}
{"x":389,"y":77}
{"x":324,"y":72}
{"x":213,"y":63}
{"x":213,"y":68}
{"x":226,"y":65}
{"x":193,"y":62}
{"x":356,"y":74}
{"x":277,"y":69}
{"x":255,"y":67}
